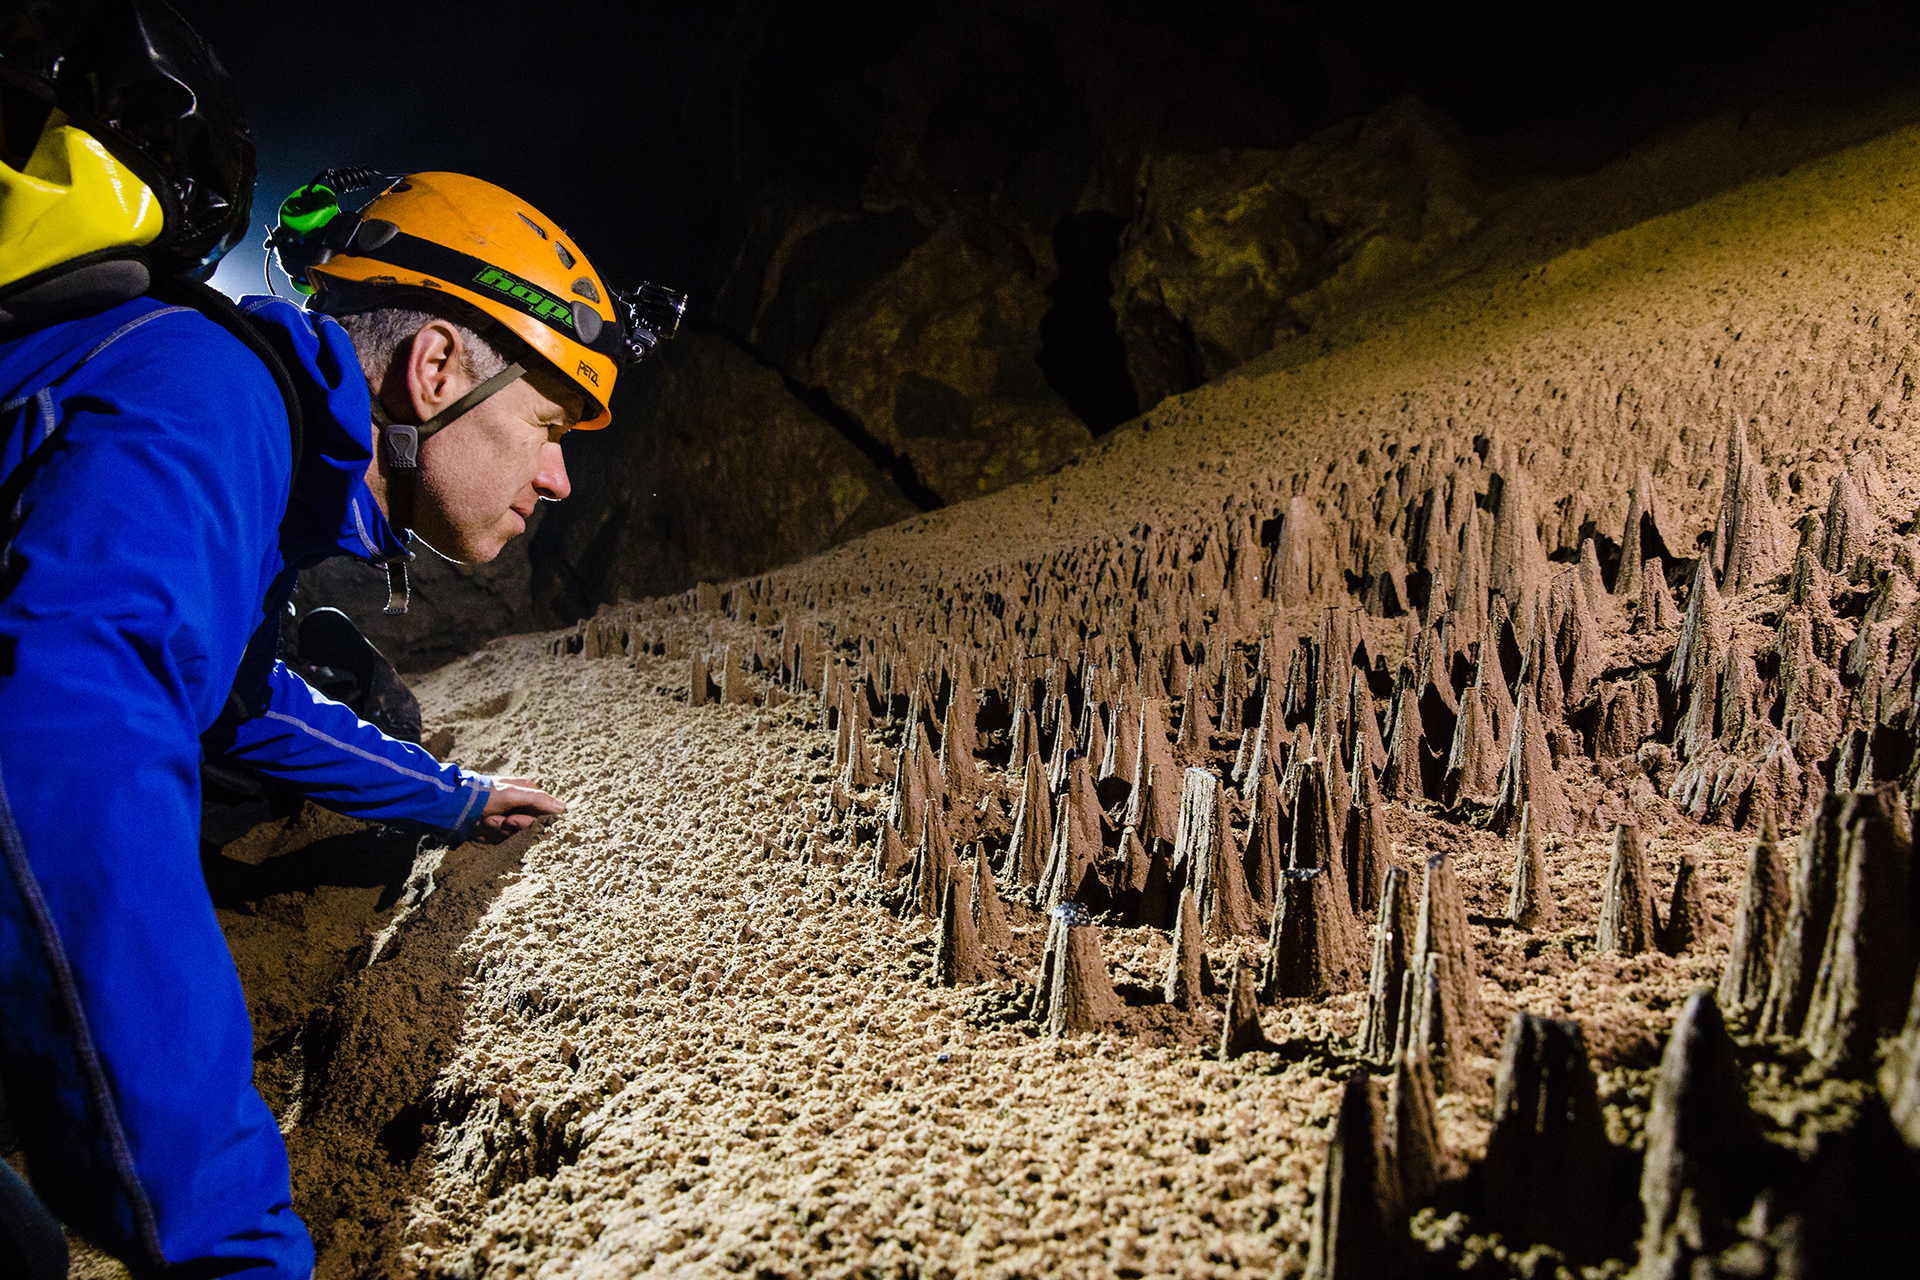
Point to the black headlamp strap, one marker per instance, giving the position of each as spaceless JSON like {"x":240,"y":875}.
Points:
{"x":403,"y":440}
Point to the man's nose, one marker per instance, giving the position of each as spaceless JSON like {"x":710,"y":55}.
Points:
{"x":551,"y":483}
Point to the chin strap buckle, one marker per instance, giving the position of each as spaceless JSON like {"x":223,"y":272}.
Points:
{"x":403,"y":445}
{"x":399,"y":594}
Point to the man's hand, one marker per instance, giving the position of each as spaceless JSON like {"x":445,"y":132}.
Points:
{"x":515,"y":805}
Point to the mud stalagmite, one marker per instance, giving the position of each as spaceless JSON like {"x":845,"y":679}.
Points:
{"x":1441,"y":929}
{"x":1240,"y":1030}
{"x":1704,"y":1149}
{"x":1267,"y":836}
{"x":1758,"y":923}
{"x":1548,"y":1164}
{"x":1404,"y":776}
{"x":958,"y":960}
{"x":1689,"y":921}
{"x":1796,"y":960}
{"x":1528,"y":780}
{"x":988,"y":912}
{"x":1628,"y":923}
{"x":1032,"y":826}
{"x":1530,"y":902}
{"x":1358,"y":1213}
{"x":1414,"y":1132}
{"x":1080,"y":996}
{"x":1204,"y":860}
{"x":1070,"y":874}
{"x":1309,"y":952}
{"x":1393,"y":942}
{"x":1867,"y":963}
{"x":1316,"y":844}
{"x":1189,"y":980}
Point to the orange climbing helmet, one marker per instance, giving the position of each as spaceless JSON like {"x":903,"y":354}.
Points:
{"x":460,"y":237}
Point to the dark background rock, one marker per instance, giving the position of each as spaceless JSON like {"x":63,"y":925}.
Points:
{"x":721,"y":471}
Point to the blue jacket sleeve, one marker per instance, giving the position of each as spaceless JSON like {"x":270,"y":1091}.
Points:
{"x":313,"y":745}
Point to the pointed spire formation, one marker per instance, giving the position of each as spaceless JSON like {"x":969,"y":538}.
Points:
{"x":1441,"y":1016}
{"x":958,"y":737}
{"x":1310,"y":949}
{"x":987,"y":911}
{"x":1528,"y":780}
{"x":1268,"y":832}
{"x":857,"y":769}
{"x":1403,"y":778}
{"x":1688,"y":921}
{"x":1204,"y":860}
{"x":1080,"y":995}
{"x":1517,"y":564}
{"x":1530,"y":903}
{"x":1704,"y":1149}
{"x":889,"y":853}
{"x":1473,"y":762}
{"x":1359,"y":1213}
{"x":1078,"y":838}
{"x":957,"y":959}
{"x":1365,"y":747}
{"x":932,"y":865}
{"x":1628,"y":924}
{"x":697,"y":692}
{"x":1368,"y":845}
{"x":1240,"y":1033}
{"x":1155,"y":771}
{"x":1849,"y":525}
{"x":1189,"y":981}
{"x":1413,"y":1128}
{"x":1656,"y":608}
{"x":1868,"y":960}
{"x":1758,"y":922}
{"x":1642,"y":540}
{"x":1393,"y":940}
{"x":1548,"y":1160}
{"x":1032,"y":826}
{"x":1750,"y":541}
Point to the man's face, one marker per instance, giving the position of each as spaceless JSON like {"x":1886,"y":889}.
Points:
{"x":481,"y":475}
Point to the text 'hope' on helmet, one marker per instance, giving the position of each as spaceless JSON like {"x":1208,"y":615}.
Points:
{"x":149,"y":97}
{"x":465,"y":238}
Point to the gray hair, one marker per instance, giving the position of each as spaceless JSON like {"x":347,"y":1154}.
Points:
{"x":379,"y":335}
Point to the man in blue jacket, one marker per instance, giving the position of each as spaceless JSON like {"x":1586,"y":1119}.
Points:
{"x":156,"y":503}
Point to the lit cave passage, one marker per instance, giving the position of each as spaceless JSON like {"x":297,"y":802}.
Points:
{"x":1322,"y":687}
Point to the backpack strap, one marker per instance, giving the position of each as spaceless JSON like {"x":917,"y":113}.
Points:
{"x":220,"y":309}
{"x":63,"y":298}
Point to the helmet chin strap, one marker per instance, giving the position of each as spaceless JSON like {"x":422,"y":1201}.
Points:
{"x":403,"y":442}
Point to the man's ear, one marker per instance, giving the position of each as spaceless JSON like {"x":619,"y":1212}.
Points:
{"x":434,"y":369}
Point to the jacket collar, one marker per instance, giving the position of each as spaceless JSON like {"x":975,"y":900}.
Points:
{"x":331,"y":511}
